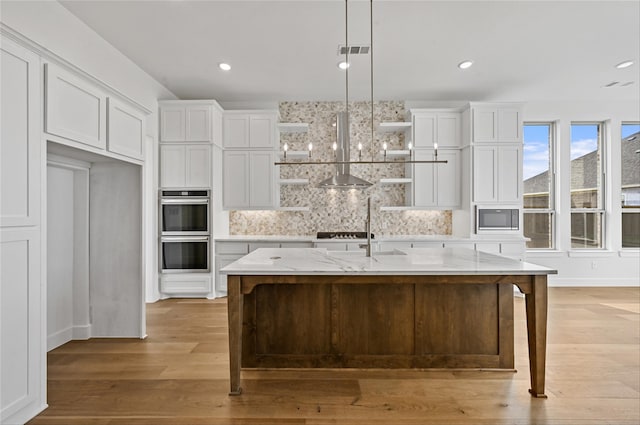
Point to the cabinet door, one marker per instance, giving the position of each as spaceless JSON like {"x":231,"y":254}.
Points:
{"x":172,"y":166}
{"x":262,"y":131}
{"x":424,"y":130}
{"x":424,"y":194}
{"x":236,"y":131}
{"x":20,"y":136}
{"x":509,"y":173}
{"x":198,"y":125}
{"x":76,"y":109}
{"x":173,"y":123}
{"x":509,"y":125}
{"x":448,"y":179}
{"x":484,"y":174}
{"x":262,"y":173}
{"x":485,"y":124}
{"x":235,"y":180}
{"x":125,"y":133}
{"x":448,"y":130}
{"x":198,"y":166}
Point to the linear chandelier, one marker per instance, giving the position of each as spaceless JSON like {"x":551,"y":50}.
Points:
{"x":348,"y":162}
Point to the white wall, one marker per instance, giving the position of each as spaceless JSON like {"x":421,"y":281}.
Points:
{"x":60,"y":256}
{"x":611,"y":266}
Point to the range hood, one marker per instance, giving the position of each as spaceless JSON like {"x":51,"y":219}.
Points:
{"x":343,"y":178}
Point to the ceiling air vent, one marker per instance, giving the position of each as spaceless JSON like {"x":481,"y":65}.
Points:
{"x":353,"y":50}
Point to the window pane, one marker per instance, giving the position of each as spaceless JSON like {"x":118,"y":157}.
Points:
{"x":585,"y":166}
{"x":537,"y":227}
{"x":536,"y":161}
{"x":630,"y":165}
{"x":631,"y":230}
{"x":586,"y":230}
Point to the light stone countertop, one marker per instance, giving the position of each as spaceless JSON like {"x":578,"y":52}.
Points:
{"x":397,"y":238}
{"x":410,"y":261}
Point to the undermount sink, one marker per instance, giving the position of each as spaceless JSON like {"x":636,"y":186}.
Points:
{"x":361,"y":253}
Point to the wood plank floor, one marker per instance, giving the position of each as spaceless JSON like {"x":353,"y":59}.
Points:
{"x":179,"y":375}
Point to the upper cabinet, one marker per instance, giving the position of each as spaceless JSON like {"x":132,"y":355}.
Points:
{"x":78,"y":110}
{"x":182,"y":121}
{"x":435,"y":126}
{"x":250,"y":129}
{"x":437,"y":185}
{"x":497,"y":124}
{"x":75,"y":108}
{"x":126,"y":129}
{"x":185,"y":166}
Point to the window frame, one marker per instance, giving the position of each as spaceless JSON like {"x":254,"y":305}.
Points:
{"x":602,"y":194}
{"x":626,"y":210}
{"x":552,"y":210}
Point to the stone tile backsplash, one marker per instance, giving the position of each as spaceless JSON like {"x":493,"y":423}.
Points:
{"x":340,"y":210}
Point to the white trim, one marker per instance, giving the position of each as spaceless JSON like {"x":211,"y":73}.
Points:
{"x":589,"y":253}
{"x":629,"y":252}
{"x":48,"y":55}
{"x":605,"y":282}
{"x":81,"y":332}
{"x":61,"y":337}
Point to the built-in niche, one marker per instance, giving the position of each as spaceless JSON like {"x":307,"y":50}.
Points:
{"x":94,"y":247}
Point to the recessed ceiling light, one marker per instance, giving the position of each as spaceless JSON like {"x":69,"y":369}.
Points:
{"x":624,"y":64}
{"x":343,"y":65}
{"x":465,"y":64}
{"x":224,"y":66}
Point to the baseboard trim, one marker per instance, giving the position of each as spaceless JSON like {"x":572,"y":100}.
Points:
{"x":592,"y":282}
{"x":82,"y":332}
{"x":55,"y":340}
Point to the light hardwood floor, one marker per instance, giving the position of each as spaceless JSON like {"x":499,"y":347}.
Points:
{"x":180,"y":375}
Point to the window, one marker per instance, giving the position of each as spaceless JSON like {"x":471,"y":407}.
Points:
{"x":587,"y":198}
{"x":538,"y":173}
{"x":630,"y":190}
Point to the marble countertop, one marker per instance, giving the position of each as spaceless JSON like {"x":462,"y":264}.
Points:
{"x":410,"y":261}
{"x":397,"y":238}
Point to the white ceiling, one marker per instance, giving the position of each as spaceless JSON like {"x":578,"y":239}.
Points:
{"x":287,"y":50}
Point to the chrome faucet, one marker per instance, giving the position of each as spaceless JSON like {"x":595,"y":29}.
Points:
{"x":367,"y":229}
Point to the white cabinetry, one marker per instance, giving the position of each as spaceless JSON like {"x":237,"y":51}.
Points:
{"x":23,"y":337}
{"x":185,"y":284}
{"x":126,"y":130}
{"x":248,"y":179}
{"x":497,"y":174}
{"x":430,"y":127}
{"x":437,"y":185}
{"x":185,"y":166}
{"x":182,"y":121}
{"x":75,"y":109}
{"x":493,"y":124}
{"x":255,"y":130}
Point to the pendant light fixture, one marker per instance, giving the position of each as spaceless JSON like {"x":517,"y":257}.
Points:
{"x":342,"y":178}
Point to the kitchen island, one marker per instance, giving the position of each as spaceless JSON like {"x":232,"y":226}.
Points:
{"x":409,"y":308}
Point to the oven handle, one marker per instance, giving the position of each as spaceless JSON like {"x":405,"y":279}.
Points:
{"x":185,"y":201}
{"x":184,"y":239}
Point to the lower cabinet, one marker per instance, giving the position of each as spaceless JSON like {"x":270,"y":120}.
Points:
{"x":185,"y":284}
{"x":248,"y":179}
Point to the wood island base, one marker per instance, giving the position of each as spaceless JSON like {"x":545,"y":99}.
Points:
{"x":387,"y":321}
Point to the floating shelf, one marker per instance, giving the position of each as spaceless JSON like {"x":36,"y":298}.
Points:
{"x":293,"y":209}
{"x":396,"y":208}
{"x":294,"y":181}
{"x":397,"y":153}
{"x":293,"y":127}
{"x":393,"y":127}
{"x":295,"y":154}
{"x":396,"y":181}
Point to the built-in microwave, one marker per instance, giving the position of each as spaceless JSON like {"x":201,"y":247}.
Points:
{"x":492,"y":219}
{"x":184,"y":212}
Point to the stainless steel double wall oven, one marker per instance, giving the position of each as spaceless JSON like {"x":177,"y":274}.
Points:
{"x":185,"y":231}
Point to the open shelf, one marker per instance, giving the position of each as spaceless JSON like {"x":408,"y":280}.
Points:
{"x":295,"y":154}
{"x":393,"y":127}
{"x":293,"y":127}
{"x":403,"y":153}
{"x":293,"y":209}
{"x":294,"y":181}
{"x":399,"y":180}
